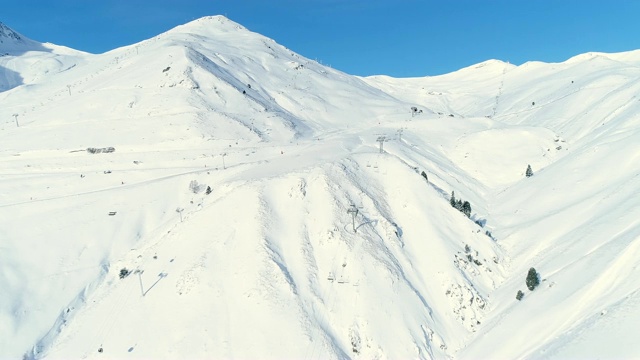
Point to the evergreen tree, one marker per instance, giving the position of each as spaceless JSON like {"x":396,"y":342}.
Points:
{"x":533,"y":279}
{"x":519,"y":295}
{"x":124,"y":272}
{"x":529,"y":172}
{"x":466,"y":208}
{"x":453,"y":200}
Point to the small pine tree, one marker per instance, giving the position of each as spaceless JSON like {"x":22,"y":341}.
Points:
{"x":519,"y":295}
{"x":453,"y":199}
{"x":533,"y":279}
{"x":424,"y":175}
{"x":529,"y":172}
{"x":466,"y":209}
{"x":124,"y":272}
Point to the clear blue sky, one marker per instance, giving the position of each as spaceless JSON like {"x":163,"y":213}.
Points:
{"x":363,"y":37}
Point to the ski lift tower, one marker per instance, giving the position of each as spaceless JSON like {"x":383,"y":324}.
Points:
{"x":381,"y":139}
{"x":223,"y":165}
{"x":353,"y":210}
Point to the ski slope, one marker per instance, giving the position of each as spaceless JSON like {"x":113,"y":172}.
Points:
{"x":249,"y":202}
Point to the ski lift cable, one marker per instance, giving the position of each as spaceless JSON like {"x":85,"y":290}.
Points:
{"x":114,"y":313}
{"x":321,"y":319}
{"x":321,"y":323}
{"x":99,"y":334}
{"x":119,"y":304}
{"x":332,"y":298}
{"x":333,"y":293}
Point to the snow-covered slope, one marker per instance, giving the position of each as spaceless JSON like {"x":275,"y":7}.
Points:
{"x":25,"y":61}
{"x":208,"y":193}
{"x":576,"y":219}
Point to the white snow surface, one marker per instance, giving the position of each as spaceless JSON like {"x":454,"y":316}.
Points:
{"x":256,"y":217}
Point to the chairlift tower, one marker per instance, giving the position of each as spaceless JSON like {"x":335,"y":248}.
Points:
{"x":16,"y":117}
{"x":223,"y":165}
{"x":381,"y":139}
{"x":353,"y":210}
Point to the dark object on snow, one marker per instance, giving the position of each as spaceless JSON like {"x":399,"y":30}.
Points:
{"x":101,"y":150}
{"x":533,"y":279}
{"x":100,"y":350}
{"x":424,"y":175}
{"x":112,"y":213}
{"x":166,"y":69}
{"x":529,"y":172}
{"x":519,"y":295}
{"x":462,"y":206}
{"x":466,"y":208}
{"x":208,"y":190}
{"x":107,"y":171}
{"x":124,"y":272}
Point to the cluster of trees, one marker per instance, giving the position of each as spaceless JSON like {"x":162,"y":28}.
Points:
{"x":532,"y":281}
{"x":462,"y":206}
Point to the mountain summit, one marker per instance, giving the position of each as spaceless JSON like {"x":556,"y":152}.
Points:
{"x":14,"y":43}
{"x":7,"y":34}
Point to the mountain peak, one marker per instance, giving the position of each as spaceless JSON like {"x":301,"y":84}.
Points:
{"x":207,"y":25}
{"x":12,"y":42}
{"x":6,"y":33}
{"x":218,"y":20}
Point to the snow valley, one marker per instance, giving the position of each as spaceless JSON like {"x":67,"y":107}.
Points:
{"x":208,"y":193}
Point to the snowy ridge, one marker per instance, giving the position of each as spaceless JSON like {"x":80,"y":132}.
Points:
{"x":256,"y":204}
{"x":24,"y":61}
{"x":7,"y":34}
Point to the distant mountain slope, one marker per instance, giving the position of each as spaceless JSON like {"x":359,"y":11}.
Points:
{"x":575,"y":220}
{"x":12,"y":42}
{"x":208,"y":193}
{"x":573,"y":98}
{"x":25,"y":61}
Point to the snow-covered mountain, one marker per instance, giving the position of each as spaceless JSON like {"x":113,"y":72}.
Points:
{"x":24,"y":61}
{"x":208,"y":193}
